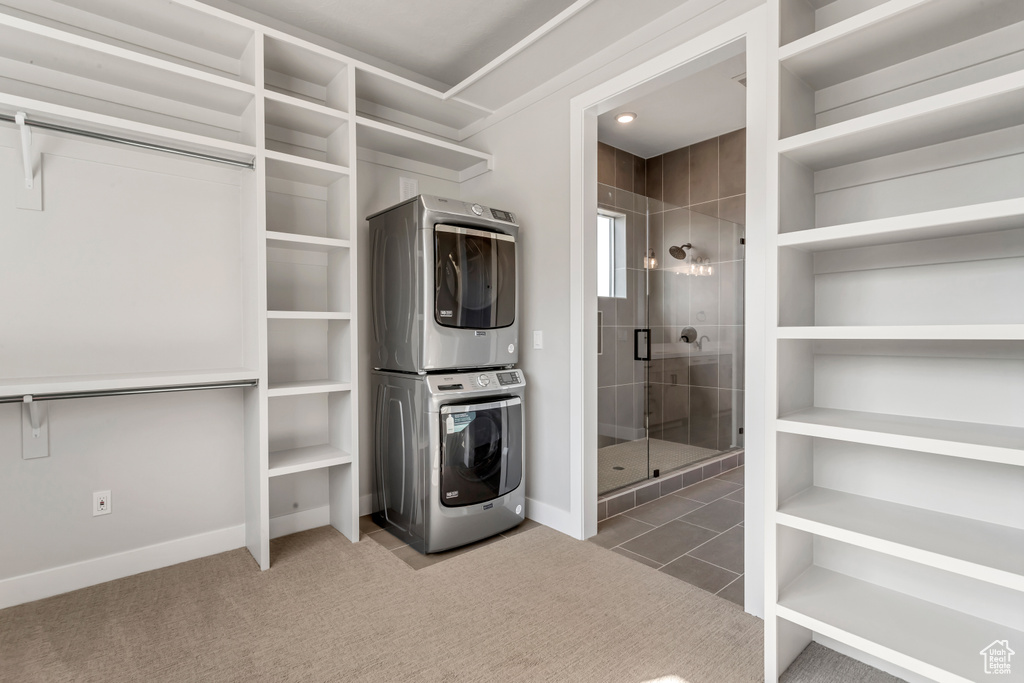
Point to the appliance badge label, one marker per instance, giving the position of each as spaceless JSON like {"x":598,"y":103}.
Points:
{"x":446,"y":314}
{"x":457,"y":422}
{"x":451,"y":494}
{"x":480,"y":333}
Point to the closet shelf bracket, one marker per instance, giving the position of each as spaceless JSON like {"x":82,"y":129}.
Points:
{"x":35,"y":429}
{"x":30,"y":196}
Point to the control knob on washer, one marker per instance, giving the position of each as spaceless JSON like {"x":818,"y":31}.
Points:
{"x":477,"y":209}
{"x":484,"y":380}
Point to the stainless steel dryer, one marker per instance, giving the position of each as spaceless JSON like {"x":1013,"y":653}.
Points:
{"x":448,"y":452}
{"x":444,"y":286}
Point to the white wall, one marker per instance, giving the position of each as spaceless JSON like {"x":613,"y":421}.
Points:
{"x":133,"y":266}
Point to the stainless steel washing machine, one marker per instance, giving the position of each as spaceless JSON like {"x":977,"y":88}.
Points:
{"x":444,"y":286}
{"x":449,"y":460}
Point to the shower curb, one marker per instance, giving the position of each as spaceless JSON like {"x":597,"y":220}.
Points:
{"x":639,"y":494}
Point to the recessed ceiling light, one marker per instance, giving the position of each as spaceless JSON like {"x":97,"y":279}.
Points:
{"x":625,"y":117}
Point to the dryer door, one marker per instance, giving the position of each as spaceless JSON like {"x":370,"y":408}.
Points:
{"x":474,"y":279}
{"x":481,"y":451}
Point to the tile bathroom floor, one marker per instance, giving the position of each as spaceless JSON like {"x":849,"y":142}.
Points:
{"x":694,"y":534}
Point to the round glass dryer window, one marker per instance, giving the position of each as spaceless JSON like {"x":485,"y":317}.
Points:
{"x":474,"y":278}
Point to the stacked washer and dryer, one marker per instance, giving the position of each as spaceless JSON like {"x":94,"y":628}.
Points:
{"x":448,"y":400}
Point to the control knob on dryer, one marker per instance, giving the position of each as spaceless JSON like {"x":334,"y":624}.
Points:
{"x":483,"y":380}
{"x":477,"y":209}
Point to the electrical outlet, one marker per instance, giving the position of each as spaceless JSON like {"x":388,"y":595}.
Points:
{"x":100,"y":503}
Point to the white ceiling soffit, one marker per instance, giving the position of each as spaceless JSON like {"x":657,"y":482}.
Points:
{"x":444,"y":40}
{"x":700,"y":106}
{"x":591,"y":30}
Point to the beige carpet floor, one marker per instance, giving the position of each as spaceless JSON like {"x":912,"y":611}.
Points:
{"x":537,"y":606}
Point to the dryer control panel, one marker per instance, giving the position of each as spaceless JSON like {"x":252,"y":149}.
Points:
{"x":475,"y":381}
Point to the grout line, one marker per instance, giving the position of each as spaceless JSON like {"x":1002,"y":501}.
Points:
{"x":711,"y":563}
{"x":738,"y":578}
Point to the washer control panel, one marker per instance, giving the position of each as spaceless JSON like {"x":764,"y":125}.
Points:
{"x":467,"y":382}
{"x":510,"y":378}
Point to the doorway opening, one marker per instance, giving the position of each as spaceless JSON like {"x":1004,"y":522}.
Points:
{"x":671,"y":205}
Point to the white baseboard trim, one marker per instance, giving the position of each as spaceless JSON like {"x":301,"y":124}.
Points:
{"x":548,"y":515}
{"x":49,"y":582}
{"x":300,"y":521}
{"x":366,"y":504}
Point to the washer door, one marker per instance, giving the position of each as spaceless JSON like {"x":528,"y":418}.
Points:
{"x":481,"y":451}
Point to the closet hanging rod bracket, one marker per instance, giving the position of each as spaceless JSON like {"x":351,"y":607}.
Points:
{"x":35,"y":429}
{"x":35,"y":416}
{"x":26,"y":148}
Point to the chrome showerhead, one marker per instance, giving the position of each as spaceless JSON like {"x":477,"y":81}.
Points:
{"x":679,"y":252}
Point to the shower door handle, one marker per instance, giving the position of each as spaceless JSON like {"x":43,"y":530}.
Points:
{"x":644,"y":347}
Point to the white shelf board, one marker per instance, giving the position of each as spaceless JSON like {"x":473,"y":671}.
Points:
{"x":293,"y":113}
{"x":307,"y":387}
{"x":305,"y":459}
{"x":961,"y":220}
{"x":397,"y":142}
{"x":983,"y":551}
{"x":308,"y":315}
{"x":383,"y":92}
{"x":971,"y":110}
{"x":63,"y":385}
{"x":63,"y":52}
{"x":992,"y":443}
{"x":70,"y":117}
{"x":909,"y":332}
{"x":302,"y":170}
{"x":928,"y":639}
{"x":889,"y":34}
{"x":287,"y":240}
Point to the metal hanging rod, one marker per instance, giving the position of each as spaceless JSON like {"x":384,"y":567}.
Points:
{"x":132,"y":143}
{"x":127,"y":392}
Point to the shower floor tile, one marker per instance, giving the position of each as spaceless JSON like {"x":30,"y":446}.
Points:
{"x":701,"y":545}
{"x":627,"y":463}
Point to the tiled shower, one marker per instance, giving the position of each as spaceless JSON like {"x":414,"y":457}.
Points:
{"x":689,"y":398}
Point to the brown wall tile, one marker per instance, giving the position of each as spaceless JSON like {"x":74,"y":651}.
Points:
{"x":734,"y":209}
{"x":623,"y":170}
{"x":704,"y":171}
{"x":639,"y":175}
{"x":605,"y":164}
{"x":676,"y":177}
{"x":732,"y":164}
{"x":654,"y":178}
{"x":707,"y":209}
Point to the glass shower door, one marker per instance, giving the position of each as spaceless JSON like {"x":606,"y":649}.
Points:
{"x":624,"y":341}
{"x":695,"y":305}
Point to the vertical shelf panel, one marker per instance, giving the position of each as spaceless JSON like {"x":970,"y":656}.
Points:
{"x":898,"y":258}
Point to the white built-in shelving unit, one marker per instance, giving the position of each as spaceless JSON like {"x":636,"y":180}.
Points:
{"x":183,"y":74}
{"x":895,"y":453}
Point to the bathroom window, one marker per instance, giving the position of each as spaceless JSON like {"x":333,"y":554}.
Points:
{"x":611,"y":254}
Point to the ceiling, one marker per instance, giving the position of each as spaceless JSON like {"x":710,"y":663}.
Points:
{"x":482,"y":56}
{"x":445,"y":40}
{"x":698,"y":107}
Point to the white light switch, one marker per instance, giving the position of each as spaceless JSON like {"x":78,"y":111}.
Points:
{"x":538,"y":339}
